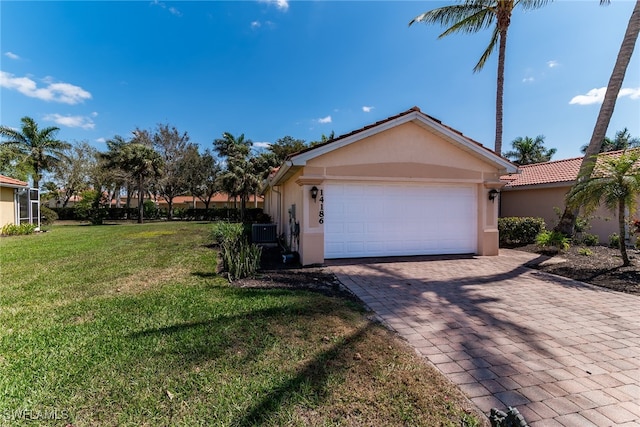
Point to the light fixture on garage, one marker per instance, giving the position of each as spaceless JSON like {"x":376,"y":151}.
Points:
{"x":314,"y":193}
{"x":493,"y":193}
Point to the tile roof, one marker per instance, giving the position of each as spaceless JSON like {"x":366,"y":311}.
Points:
{"x":554,"y":172}
{"x":12,"y":181}
{"x":388,"y":119}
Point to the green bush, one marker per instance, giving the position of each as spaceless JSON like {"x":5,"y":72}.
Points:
{"x":614,"y":241}
{"x":585,"y":251}
{"x":47,"y":216}
{"x":553,"y":239}
{"x":519,"y":230}
{"x":18,"y":230}
{"x":590,"y":239}
{"x":239,"y":257}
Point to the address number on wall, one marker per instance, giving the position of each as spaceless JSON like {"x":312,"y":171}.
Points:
{"x":321,"y":211}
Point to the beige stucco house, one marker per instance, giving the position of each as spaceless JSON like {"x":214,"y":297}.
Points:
{"x":540,"y":189}
{"x":18,"y":203}
{"x":406,"y":185}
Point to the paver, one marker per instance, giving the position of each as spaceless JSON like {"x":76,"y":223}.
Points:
{"x":563,"y":352}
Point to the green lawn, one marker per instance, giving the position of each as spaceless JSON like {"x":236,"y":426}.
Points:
{"x":129,"y":325}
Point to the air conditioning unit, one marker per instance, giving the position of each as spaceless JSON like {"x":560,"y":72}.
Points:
{"x":264,"y":233}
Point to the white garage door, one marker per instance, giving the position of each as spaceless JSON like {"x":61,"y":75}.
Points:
{"x":365,"y":220}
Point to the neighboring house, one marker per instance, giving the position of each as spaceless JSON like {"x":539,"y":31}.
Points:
{"x":220,"y":200}
{"x":540,"y":190}
{"x":18,"y":203}
{"x":406,"y":185}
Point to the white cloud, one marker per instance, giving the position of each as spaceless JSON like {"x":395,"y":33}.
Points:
{"x":171,"y":10}
{"x":633,"y":93}
{"x":553,"y":64}
{"x":101,"y":140}
{"x":596,"y":96}
{"x":367,"y":109}
{"x":262,"y":144}
{"x":283,"y":5}
{"x":65,"y":93}
{"x":11,"y":55}
{"x":324,"y":119}
{"x":528,"y":80}
{"x":71,"y":121}
{"x":255,"y":24}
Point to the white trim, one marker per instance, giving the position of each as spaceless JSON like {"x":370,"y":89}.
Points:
{"x":402,"y":179}
{"x":421,"y":119}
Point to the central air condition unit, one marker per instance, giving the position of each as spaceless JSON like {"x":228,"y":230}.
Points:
{"x":264,"y":233}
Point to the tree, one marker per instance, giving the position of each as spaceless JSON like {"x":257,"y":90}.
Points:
{"x":472,"y":16}
{"x":73,"y":175}
{"x":172,"y":148}
{"x":38,"y":147}
{"x":614,"y":182}
{"x":208,"y":178}
{"x":622,"y":141}
{"x":284,"y":147}
{"x":568,"y":219}
{"x":527,"y":151}
{"x":138,"y":158}
{"x":241,"y":174}
{"x":12,"y":163}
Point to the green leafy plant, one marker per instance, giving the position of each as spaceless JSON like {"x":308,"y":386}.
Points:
{"x":239,"y":257}
{"x":553,"y":239}
{"x":47,"y":216}
{"x":614,"y":240}
{"x":519,"y":230}
{"x":590,"y":239}
{"x":18,"y":230}
{"x":585,"y":251}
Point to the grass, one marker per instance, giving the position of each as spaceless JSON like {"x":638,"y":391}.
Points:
{"x":129,"y":325}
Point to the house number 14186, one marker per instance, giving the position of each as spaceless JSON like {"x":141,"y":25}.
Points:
{"x":321,"y":211}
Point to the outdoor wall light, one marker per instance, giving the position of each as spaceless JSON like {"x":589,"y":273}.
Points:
{"x":493,"y":193}
{"x":314,"y":193}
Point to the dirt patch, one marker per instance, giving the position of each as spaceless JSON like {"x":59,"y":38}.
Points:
{"x":597,"y":265}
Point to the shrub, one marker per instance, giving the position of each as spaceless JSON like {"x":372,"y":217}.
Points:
{"x":614,"y":241}
{"x":590,"y":239}
{"x":150,"y":210}
{"x":18,"y":230}
{"x":553,"y":239}
{"x":519,"y":230}
{"x":47,"y":216}
{"x":585,"y":251}
{"x":239,"y":257}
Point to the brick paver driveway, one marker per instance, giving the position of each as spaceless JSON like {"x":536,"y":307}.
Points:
{"x":563,"y":353}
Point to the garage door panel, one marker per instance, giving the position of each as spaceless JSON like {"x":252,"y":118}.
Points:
{"x":398,"y":219}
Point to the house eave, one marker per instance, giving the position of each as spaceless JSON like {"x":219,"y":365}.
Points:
{"x":505,"y":166}
{"x":559,"y":184}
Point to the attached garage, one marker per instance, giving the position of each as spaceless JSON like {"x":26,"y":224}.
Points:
{"x":406,"y":185}
{"x":393,"y":219}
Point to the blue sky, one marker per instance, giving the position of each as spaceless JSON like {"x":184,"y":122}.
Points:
{"x":303,"y":68}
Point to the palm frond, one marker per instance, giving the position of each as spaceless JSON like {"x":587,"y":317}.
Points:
{"x":488,"y":51}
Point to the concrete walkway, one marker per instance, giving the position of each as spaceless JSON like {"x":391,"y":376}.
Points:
{"x":562,"y":352}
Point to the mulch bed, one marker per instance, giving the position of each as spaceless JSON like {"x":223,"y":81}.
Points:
{"x":601,"y":267}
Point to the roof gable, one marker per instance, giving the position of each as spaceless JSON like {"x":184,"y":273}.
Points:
{"x":412,"y":115}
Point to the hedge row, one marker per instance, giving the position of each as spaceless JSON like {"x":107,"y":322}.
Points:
{"x":213,"y":214}
{"x":519,"y":230}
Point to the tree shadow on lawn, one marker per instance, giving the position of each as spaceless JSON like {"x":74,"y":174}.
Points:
{"x":244,"y":338}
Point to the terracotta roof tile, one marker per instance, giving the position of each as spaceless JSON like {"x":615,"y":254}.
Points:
{"x":12,"y":181}
{"x":388,"y":119}
{"x":553,"y":172}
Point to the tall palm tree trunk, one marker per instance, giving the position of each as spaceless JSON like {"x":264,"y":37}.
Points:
{"x":140,"y":201}
{"x":503,"y":25}
{"x":568,"y":219}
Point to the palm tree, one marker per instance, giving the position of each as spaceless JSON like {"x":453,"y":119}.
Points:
{"x":138,"y":158}
{"x":527,"y":151}
{"x":568,"y":219}
{"x":622,"y":141}
{"x":471,"y":16}
{"x":39,"y":148}
{"x":616,"y":182}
